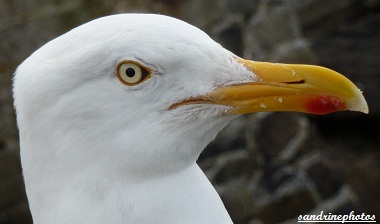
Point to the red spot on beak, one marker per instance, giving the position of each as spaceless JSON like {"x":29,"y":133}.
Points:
{"x":325,"y":104}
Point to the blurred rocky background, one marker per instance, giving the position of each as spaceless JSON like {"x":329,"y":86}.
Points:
{"x":268,"y":167}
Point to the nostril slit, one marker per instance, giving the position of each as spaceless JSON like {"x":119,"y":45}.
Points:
{"x":296,"y":82}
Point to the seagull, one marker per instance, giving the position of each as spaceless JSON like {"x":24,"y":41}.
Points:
{"x":113,"y":115}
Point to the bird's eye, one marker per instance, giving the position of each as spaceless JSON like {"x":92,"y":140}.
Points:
{"x":132,"y":73}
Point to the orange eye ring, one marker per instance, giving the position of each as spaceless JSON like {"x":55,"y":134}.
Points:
{"x":132,"y":73}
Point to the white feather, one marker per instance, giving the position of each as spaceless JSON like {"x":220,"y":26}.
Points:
{"x":96,"y":151}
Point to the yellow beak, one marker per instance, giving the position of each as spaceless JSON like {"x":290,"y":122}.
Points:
{"x":287,"y":87}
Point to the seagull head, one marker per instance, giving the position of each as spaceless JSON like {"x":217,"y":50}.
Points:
{"x":135,"y":96}
{"x":132,"y":80}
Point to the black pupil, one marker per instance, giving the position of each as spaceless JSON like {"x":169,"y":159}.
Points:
{"x":130,"y":72}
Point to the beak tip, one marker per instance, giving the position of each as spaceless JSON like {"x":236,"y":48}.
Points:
{"x":325,"y":104}
{"x":358,"y":104}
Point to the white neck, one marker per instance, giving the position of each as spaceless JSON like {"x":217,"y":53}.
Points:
{"x":90,"y":177}
{"x":182,"y":197}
